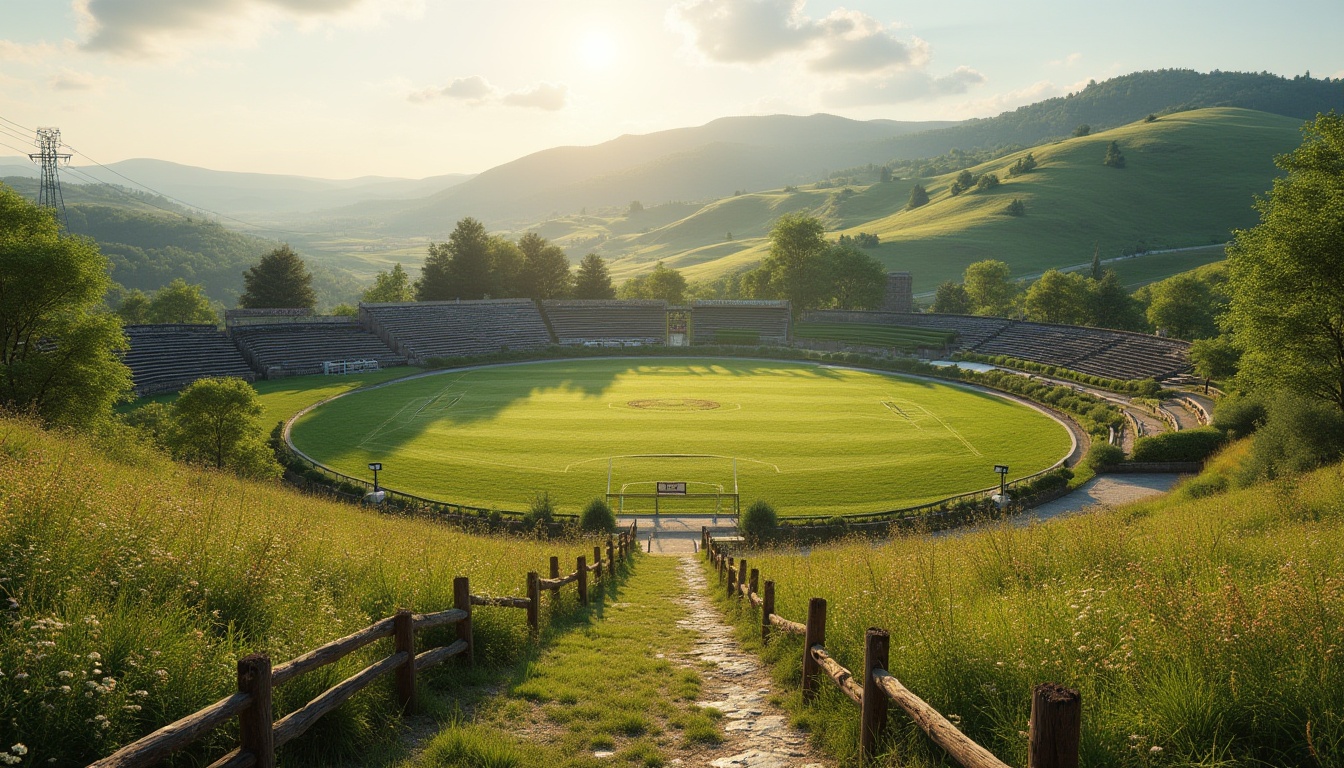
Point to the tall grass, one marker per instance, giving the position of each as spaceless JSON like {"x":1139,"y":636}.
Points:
{"x":1200,"y":632}
{"x":129,"y":590}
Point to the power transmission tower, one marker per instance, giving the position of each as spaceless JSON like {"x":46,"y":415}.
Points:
{"x":50,"y":156}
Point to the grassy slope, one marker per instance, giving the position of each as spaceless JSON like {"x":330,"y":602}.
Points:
{"x":607,"y":683}
{"x":159,"y":577}
{"x":1209,"y":629}
{"x":1190,"y":180}
{"x":551,"y":427}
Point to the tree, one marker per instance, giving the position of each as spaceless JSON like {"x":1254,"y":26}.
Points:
{"x":1287,"y":296}
{"x":986,"y":181}
{"x":1183,"y":306}
{"x":215,"y":422}
{"x":58,"y":346}
{"x":635,"y":208}
{"x":857,"y":280}
{"x":662,"y":283}
{"x":1016,"y":208}
{"x":593,"y":281}
{"x":990,"y":287}
{"x":884,"y":174}
{"x":389,"y":287}
{"x":1057,"y":297}
{"x":1082,"y":130}
{"x":1113,"y":157}
{"x":1214,"y":358}
{"x":963,"y":182}
{"x":506,"y":270}
{"x":179,"y":302}
{"x":1096,"y":262}
{"x":459,"y":268}
{"x":1109,"y":305}
{"x":951,"y":299}
{"x":133,"y":309}
{"x":919,"y":196}
{"x":795,"y":269}
{"x":279,"y":281}
{"x":1023,"y":165}
{"x":545,"y":272}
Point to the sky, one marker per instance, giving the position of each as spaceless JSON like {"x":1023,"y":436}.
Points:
{"x":415,"y":88}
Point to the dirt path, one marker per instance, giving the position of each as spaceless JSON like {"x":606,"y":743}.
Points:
{"x":756,"y":733}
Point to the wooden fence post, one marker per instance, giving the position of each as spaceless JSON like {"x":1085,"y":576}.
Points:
{"x":767,"y":608}
{"x":704,"y":538}
{"x":723,"y":566}
{"x":754,"y":583}
{"x":555,"y":574}
{"x":583,"y":580}
{"x":1056,"y":727}
{"x":611,"y":556}
{"x":533,"y":601}
{"x":254,"y":723}
{"x":597,"y":558}
{"x":873,"y":718}
{"x":815,"y":635}
{"x":732,"y":576}
{"x":741,"y":577}
{"x":462,"y":602}
{"x":403,"y":633}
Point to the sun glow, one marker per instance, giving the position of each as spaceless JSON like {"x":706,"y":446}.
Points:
{"x":597,"y":49}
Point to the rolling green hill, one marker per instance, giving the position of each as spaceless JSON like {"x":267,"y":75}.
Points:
{"x":1190,"y":180}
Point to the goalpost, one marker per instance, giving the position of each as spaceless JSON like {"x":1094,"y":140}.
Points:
{"x":686,"y":483}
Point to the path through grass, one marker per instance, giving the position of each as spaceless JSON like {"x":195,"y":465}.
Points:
{"x":606,"y":684}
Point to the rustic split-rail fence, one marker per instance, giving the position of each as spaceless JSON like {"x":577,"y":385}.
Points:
{"x":1056,"y":711}
{"x":260,"y":735}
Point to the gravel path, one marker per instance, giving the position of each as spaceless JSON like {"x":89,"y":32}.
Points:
{"x":757,"y":734}
{"x":1106,"y":490}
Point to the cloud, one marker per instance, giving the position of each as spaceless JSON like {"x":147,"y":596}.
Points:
{"x":71,"y":80}
{"x":33,"y":53}
{"x":136,"y":28}
{"x":477,"y":91}
{"x":910,"y":85}
{"x":1067,"y":61}
{"x":873,"y":64}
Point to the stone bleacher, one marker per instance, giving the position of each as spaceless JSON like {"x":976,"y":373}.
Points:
{"x":587,"y":321}
{"x":163,"y":358}
{"x":294,"y":348}
{"x":769,"y":320}
{"x":1094,"y":351}
{"x":425,"y":329}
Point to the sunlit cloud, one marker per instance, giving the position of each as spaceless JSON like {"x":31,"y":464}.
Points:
{"x":1067,"y":61}
{"x":34,"y":53}
{"x":477,"y":91}
{"x":71,"y":80}
{"x":910,"y":85}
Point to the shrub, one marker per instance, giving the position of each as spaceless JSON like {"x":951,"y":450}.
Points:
{"x":1239,"y":415}
{"x":540,"y":510}
{"x":1185,"y":445}
{"x":759,"y":521}
{"x":1103,"y":455}
{"x":1297,"y":435}
{"x":598,"y":517}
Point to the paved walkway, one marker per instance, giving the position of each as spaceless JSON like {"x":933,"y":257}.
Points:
{"x":756,"y":733}
{"x":1106,"y":490}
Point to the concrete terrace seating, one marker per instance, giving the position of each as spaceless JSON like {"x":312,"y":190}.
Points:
{"x":970,"y":329}
{"x":768,"y":319}
{"x":421,"y":330}
{"x":289,"y":349}
{"x":581,"y":321}
{"x":163,"y":358}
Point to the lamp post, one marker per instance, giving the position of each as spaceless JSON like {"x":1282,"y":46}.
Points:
{"x":1002,"y":469}
{"x":377,"y":465}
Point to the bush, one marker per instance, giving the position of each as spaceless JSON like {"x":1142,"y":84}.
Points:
{"x":541,"y":510}
{"x":1239,"y":415}
{"x":598,"y":517}
{"x":759,"y":522}
{"x":1185,"y":445}
{"x":1297,"y":435}
{"x":1103,"y":454}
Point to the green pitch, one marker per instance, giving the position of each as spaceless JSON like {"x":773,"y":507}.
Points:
{"x":810,"y":439}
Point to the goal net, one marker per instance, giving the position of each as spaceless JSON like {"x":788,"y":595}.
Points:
{"x":672,"y":484}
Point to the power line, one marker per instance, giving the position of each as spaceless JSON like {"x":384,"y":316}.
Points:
{"x":16,"y":149}
{"x":122,"y":191}
{"x":16,"y":125}
{"x":6,"y":131}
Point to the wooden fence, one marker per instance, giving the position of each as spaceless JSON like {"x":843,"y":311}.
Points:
{"x":1056,"y":711}
{"x":260,"y":735}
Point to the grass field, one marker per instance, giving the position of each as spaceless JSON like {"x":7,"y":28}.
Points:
{"x":810,"y":439}
{"x":1199,"y":632}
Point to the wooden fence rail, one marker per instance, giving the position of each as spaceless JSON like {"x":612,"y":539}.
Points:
{"x":260,"y":734}
{"x":1056,"y":711}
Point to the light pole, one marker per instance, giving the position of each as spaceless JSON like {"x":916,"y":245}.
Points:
{"x":377,"y":465}
{"x":1002,"y":469}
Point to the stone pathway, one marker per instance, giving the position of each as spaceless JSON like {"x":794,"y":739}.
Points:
{"x":756,"y":733}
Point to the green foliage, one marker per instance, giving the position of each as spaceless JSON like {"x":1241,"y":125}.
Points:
{"x":861,"y":240}
{"x":597,"y":517}
{"x":1114,"y":158}
{"x":1057,"y":297}
{"x":1183,"y":445}
{"x":1016,"y":208}
{"x":279,"y":281}
{"x":1215,"y":358}
{"x":662,"y":283}
{"x":389,"y":287}
{"x":540,"y":510}
{"x":1239,"y":415}
{"x":759,"y":522}
{"x":857,"y":280}
{"x":794,"y":270}
{"x":1082,"y":130}
{"x":986,"y":181}
{"x":593,"y":281}
{"x":215,"y":423}
{"x":990,"y":287}
{"x":176,"y":302}
{"x":635,"y":208}
{"x":133,"y":309}
{"x":1184,"y":307}
{"x":919,"y":196}
{"x":951,"y":298}
{"x":1023,"y":165}
{"x":1109,"y":305}
{"x":1102,"y":454}
{"x":345,"y":310}
{"x":1287,"y":306}
{"x":1299,"y":433}
{"x":58,"y":349}
{"x":964,"y":181}
{"x":459,"y":268}
{"x":545,"y":273}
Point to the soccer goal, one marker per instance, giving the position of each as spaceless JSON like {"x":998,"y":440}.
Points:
{"x":673,"y":484}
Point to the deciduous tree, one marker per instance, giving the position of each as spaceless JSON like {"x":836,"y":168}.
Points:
{"x":990,"y":287}
{"x":951,"y":299}
{"x":857,"y":280}
{"x":662,"y":283}
{"x":215,"y":422}
{"x":390,"y":286}
{"x":279,"y":281}
{"x":545,"y":272}
{"x":1183,"y":306}
{"x":181,"y":302}
{"x":1057,"y":297}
